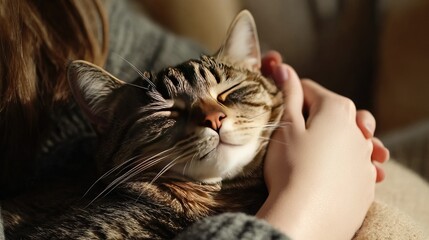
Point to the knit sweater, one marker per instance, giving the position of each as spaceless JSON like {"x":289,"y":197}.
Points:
{"x":231,"y":226}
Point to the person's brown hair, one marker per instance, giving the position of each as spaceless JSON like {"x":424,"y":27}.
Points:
{"x":37,"y":39}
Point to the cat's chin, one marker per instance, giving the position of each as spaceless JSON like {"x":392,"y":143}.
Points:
{"x":224,"y":162}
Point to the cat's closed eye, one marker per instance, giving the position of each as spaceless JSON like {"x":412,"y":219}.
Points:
{"x":222,"y":97}
{"x":178,"y":108}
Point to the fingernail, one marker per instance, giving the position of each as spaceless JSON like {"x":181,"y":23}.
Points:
{"x":281,"y":75}
{"x":370,"y":128}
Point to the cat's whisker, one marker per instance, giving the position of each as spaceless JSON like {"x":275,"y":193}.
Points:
{"x":138,"y":72}
{"x":189,"y":150}
{"x":131,"y":173}
{"x":273,"y":140}
{"x":285,"y":124}
{"x":170,"y":165}
{"x":129,"y":160}
{"x":142,"y":166}
{"x":108,"y":173}
{"x":165,"y":169}
{"x":195,"y":156}
{"x":184,"y":168}
{"x":136,"y":170}
{"x":137,"y":86}
{"x":137,"y":162}
{"x":190,"y":162}
{"x":118,"y":181}
{"x":186,"y":142}
{"x":254,"y":127}
{"x":259,"y":115}
{"x":146,"y":164}
{"x":270,"y":125}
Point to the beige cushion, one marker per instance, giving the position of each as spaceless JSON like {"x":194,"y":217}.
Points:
{"x":401,"y":209}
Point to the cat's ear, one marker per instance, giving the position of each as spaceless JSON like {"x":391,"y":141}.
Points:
{"x":90,"y":86}
{"x":241,"y":46}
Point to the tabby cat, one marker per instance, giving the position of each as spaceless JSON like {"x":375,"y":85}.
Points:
{"x":174,"y":147}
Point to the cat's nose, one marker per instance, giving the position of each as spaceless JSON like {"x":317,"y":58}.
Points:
{"x":214,"y":120}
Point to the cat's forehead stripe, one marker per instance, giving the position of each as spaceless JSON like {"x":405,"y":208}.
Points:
{"x":210,"y":76}
{"x":204,"y":73}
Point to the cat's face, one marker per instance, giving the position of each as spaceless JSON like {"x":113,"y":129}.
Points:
{"x":222,"y":116}
{"x":206,"y":119}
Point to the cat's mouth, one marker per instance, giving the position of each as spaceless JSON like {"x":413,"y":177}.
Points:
{"x":213,"y":152}
{"x":215,"y":144}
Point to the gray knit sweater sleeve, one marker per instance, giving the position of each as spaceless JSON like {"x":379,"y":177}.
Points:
{"x":143,"y":43}
{"x":231,"y":226}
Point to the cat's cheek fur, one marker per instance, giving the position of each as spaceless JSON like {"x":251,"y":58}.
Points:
{"x":235,"y":158}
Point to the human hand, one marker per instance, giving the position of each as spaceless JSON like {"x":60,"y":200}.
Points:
{"x":323,"y":177}
{"x":364,"y":119}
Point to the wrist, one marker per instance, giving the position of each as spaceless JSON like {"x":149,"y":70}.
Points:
{"x":301,"y":211}
{"x":285,"y":210}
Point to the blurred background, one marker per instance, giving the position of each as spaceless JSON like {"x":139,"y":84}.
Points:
{"x":375,"y":52}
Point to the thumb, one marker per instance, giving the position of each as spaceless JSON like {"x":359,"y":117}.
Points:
{"x":288,"y":81}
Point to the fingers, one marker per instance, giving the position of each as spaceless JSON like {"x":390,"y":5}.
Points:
{"x":269,"y":62}
{"x":381,"y":175}
{"x":315,"y":94}
{"x":379,"y":153}
{"x":366,"y":122}
{"x":288,"y":81}
{"x":324,"y":106}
